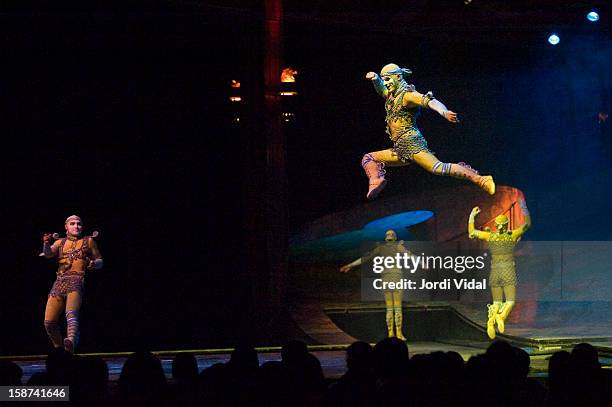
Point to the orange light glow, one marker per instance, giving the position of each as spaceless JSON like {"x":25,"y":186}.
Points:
{"x":235,"y":99}
{"x":287,"y":93}
{"x":288,"y":75}
{"x":235,"y":84}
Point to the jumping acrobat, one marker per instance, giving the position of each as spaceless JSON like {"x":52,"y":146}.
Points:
{"x":403,"y":105}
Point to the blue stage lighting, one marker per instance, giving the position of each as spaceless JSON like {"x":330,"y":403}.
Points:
{"x":593,"y":16}
{"x":554,"y":39}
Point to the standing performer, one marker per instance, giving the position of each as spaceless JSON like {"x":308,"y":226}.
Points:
{"x":393,"y":298}
{"x":403,"y":105}
{"x":75,"y":255}
{"x":502,"y":279}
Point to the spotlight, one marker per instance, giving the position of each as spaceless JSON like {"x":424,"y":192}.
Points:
{"x":554,"y":39}
{"x":592,"y":16}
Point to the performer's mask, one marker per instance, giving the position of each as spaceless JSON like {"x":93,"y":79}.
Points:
{"x":392,"y":82}
{"x":392,"y":76}
{"x":502,"y":223}
{"x":390,"y":236}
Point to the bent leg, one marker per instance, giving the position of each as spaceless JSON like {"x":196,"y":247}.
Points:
{"x":430,"y":163}
{"x":506,"y":308}
{"x":374,"y":166}
{"x":510,"y":293}
{"x":497,"y":293}
{"x":53,"y":310}
{"x":388,"y":157}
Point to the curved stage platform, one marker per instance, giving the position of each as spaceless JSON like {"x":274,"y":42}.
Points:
{"x":328,"y":308}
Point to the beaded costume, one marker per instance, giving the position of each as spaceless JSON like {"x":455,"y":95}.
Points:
{"x":502,"y":279}
{"x":407,"y":139}
{"x":403,"y":106}
{"x":75,"y":255}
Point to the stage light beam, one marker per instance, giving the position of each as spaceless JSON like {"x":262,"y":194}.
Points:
{"x":554,"y":39}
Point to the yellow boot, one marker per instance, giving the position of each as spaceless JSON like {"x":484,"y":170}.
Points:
{"x":492,"y":312}
{"x":398,"y":324}
{"x":463,"y":170}
{"x":487,"y":184}
{"x":502,"y":315}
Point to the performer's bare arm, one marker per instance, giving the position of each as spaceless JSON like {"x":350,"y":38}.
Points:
{"x":379,"y":85}
{"x":367,"y":257}
{"x":50,"y":250}
{"x":349,"y":266}
{"x":96,"y":262}
{"x":474,"y":233}
{"x":428,"y":101}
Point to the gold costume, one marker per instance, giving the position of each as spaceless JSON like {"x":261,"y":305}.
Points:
{"x":502,"y":279}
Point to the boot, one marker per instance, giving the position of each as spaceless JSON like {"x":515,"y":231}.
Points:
{"x":463,"y":170}
{"x":487,"y":184}
{"x":398,"y":324}
{"x":376,"y":174}
{"x":53,"y":330}
{"x":492,"y":312}
{"x":390,"y":332}
{"x":502,"y":315}
{"x":72,"y":324}
{"x":68,"y":345}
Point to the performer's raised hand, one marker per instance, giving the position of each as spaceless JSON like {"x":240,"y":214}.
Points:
{"x":451,"y":116}
{"x":475,"y":211}
{"x":47,"y":249}
{"x":371,"y":76}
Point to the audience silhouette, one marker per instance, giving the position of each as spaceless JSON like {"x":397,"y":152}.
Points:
{"x":383,"y":375}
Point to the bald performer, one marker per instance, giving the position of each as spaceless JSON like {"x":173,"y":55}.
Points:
{"x":403,"y":105}
{"x":76,"y":254}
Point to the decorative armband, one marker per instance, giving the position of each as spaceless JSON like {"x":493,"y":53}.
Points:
{"x":428,"y":97}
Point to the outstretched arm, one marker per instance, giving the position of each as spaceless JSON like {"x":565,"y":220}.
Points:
{"x":525,"y":227}
{"x":349,"y":266}
{"x":377,"y":82}
{"x":435,"y":104}
{"x":474,"y":233}
{"x":364,"y":259}
{"x":429,"y":101}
